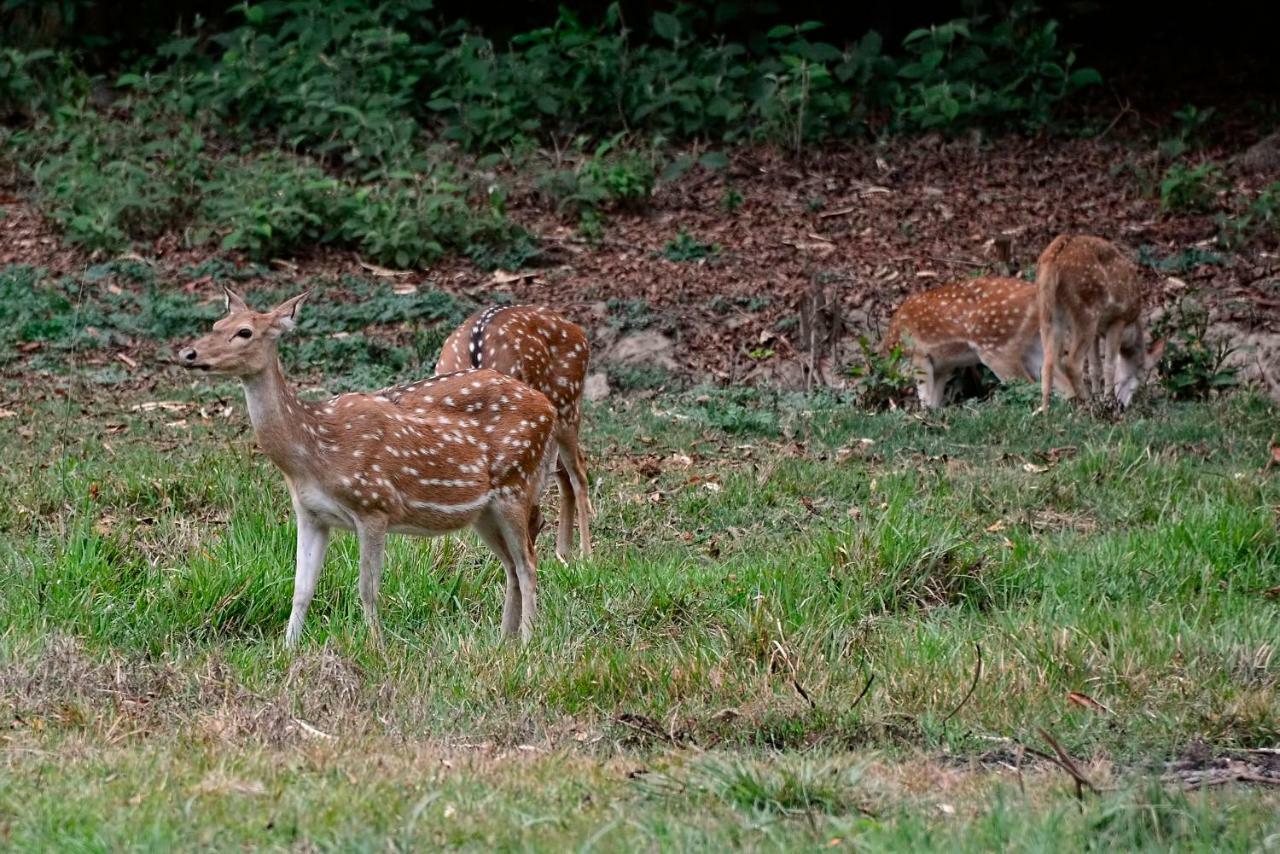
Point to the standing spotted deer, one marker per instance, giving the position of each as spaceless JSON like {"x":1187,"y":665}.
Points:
{"x":1089,"y":288}
{"x":992,"y":321}
{"x":543,"y":350}
{"x":464,"y":449}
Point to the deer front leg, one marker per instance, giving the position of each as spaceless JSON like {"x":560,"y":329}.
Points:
{"x":313,"y":540}
{"x":489,"y":530}
{"x":1111,"y":355}
{"x":511,"y":517}
{"x":373,"y":551}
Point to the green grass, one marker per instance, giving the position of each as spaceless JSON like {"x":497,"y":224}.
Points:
{"x":699,"y":683}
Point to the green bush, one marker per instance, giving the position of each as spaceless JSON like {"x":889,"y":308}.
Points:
{"x":107,"y":182}
{"x":1194,"y":364}
{"x":686,"y":247}
{"x":1187,"y":189}
{"x":882,"y":381}
{"x":963,"y":73}
{"x":309,"y":123}
{"x":1260,"y":219}
{"x":37,"y":80}
{"x":270,"y":204}
{"x":608,"y":179}
{"x":339,"y":79}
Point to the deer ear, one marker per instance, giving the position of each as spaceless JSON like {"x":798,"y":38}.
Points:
{"x":285,"y":316}
{"x":235,"y":302}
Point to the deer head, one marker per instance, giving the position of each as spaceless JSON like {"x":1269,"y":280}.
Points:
{"x":242,"y":344}
{"x":1134,"y":363}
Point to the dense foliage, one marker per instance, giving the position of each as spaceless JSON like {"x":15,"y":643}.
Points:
{"x":323,"y":123}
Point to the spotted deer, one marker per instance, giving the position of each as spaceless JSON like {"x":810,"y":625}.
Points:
{"x":992,"y":321}
{"x":467,"y":448}
{"x":1088,"y":288}
{"x":542,"y":349}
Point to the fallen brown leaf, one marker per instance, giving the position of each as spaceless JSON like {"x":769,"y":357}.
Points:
{"x":1087,"y":702}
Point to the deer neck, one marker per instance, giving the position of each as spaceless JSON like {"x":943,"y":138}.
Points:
{"x":280,"y":420}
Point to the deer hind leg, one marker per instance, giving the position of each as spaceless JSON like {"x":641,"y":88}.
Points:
{"x":575,"y":470}
{"x":1083,"y":335}
{"x":313,"y":540}
{"x":568,"y":511}
{"x":490,"y":531}
{"x":373,"y":553}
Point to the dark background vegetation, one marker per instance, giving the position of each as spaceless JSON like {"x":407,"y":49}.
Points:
{"x":1182,"y":39}
{"x":416,"y":133}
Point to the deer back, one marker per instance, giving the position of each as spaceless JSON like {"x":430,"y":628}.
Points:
{"x":531,"y":343}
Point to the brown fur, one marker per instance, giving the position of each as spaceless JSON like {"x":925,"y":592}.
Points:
{"x":548,"y":353}
{"x":425,"y":458}
{"x":1087,"y":288}
{"x":992,"y":320}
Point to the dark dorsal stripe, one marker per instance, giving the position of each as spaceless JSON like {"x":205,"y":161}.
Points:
{"x":477,"y":335}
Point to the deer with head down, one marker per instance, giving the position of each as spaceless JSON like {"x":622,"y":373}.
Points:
{"x":1088,"y":288}
{"x":467,"y":448}
{"x":993,"y":321}
{"x":549,"y":353}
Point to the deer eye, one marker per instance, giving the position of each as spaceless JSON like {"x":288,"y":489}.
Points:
{"x":246,"y":332}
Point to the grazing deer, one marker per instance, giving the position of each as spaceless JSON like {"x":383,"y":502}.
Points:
{"x":426,"y":458}
{"x":1089,"y":287}
{"x":546,"y":352}
{"x":993,"y":321}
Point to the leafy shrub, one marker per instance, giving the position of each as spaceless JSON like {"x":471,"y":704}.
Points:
{"x":686,"y":247}
{"x":340,"y":79}
{"x":1179,"y":262}
{"x":108,"y":182}
{"x":36,"y":80}
{"x":271,"y":204}
{"x":641,"y":377}
{"x":1261,"y":218}
{"x":882,"y":382}
{"x":1194,"y":364}
{"x":962,"y":72}
{"x":608,"y":179}
{"x":625,"y":315}
{"x":1191,"y":124}
{"x":1190,"y":188}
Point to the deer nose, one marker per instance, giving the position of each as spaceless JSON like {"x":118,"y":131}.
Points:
{"x":187,"y":354}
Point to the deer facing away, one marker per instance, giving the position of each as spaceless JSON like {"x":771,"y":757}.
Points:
{"x":1088,"y":288}
{"x":993,"y":321}
{"x":426,"y":458}
{"x":548,"y":353}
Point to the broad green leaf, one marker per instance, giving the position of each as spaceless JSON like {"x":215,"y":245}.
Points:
{"x":666,"y":25}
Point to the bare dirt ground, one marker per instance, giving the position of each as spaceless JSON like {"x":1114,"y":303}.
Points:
{"x":820,"y":247}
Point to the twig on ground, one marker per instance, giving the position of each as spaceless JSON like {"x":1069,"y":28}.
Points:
{"x":977,"y":674}
{"x":1066,"y":763}
{"x":863,"y":693}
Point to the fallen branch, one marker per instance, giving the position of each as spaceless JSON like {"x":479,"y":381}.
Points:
{"x":977,"y":673}
{"x":865,"y":689}
{"x":1066,"y":763}
{"x":803,"y":693}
